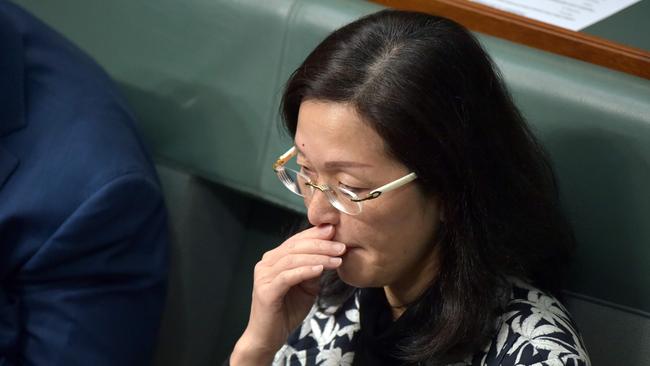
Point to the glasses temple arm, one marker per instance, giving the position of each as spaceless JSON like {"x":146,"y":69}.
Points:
{"x":388,"y":187}
{"x":395,"y":184}
{"x":284,"y":158}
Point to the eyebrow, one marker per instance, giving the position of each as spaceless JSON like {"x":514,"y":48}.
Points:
{"x":338,"y":164}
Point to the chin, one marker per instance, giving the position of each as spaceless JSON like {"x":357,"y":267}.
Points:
{"x":352,"y":279}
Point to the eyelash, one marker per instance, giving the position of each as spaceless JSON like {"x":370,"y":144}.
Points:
{"x":353,"y":189}
{"x":310,"y":173}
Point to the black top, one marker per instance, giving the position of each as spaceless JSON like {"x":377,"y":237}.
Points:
{"x":534,"y":329}
{"x":379,"y":335}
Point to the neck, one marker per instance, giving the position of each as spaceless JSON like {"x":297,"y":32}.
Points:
{"x":397,"y":311}
{"x":406,"y":290}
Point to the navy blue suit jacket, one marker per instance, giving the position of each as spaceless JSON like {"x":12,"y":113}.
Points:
{"x":83,"y":235}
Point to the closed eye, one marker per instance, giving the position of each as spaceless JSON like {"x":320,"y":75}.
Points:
{"x":356,"y":190}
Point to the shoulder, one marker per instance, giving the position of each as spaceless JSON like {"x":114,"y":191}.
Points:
{"x":74,"y":165}
{"x":325,"y":334}
{"x":77,"y":133}
{"x":70,"y":102}
{"x":536,"y":329}
{"x":77,"y":128}
{"x":77,"y":155}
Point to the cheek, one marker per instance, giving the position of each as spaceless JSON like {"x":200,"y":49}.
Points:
{"x":399,"y":237}
{"x":362,"y":265}
{"x":382,"y":249}
{"x":390,"y":243}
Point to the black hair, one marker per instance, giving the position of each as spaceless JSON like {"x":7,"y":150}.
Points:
{"x":427,"y":87}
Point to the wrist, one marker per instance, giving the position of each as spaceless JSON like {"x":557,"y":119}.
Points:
{"x":248,"y":352}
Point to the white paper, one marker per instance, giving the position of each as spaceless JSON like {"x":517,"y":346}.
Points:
{"x":570,"y":14}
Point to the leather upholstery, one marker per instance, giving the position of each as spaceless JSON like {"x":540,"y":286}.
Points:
{"x":205,"y":78}
{"x":629,"y":26}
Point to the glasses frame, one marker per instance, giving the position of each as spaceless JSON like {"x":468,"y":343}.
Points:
{"x":279,"y":164}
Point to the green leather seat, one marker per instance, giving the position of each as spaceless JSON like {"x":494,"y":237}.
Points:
{"x":205,"y":79}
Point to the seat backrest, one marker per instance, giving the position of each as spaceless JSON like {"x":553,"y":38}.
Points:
{"x":205,"y":79}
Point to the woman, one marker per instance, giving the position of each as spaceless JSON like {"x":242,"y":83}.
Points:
{"x":437,"y":236}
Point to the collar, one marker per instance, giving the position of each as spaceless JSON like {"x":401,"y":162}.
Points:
{"x":12,"y":88}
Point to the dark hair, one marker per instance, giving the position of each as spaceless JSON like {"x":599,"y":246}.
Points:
{"x":432,"y":93}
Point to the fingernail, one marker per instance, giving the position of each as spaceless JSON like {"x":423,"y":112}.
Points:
{"x":325,"y":229}
{"x":335,"y":261}
{"x":317,"y":268}
{"x":338,"y":247}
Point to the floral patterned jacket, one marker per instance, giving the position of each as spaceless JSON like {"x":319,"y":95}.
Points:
{"x":535,"y":330}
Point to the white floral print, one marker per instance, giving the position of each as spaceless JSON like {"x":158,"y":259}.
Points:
{"x":535,"y":330}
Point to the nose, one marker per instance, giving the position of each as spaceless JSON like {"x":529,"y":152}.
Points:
{"x":320,"y":211}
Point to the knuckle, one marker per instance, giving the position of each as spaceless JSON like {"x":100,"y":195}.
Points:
{"x":293,"y":260}
{"x":288,"y":261}
{"x":283,"y":262}
{"x":285,"y":277}
{"x":258,"y":268}
{"x":291,"y":244}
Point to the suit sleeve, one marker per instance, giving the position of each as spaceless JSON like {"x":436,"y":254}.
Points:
{"x":93,"y":294}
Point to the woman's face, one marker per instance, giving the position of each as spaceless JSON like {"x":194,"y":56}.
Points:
{"x":391,"y":242}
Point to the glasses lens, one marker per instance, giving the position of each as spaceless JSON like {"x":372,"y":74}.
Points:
{"x":295,"y":182}
{"x":341,"y":199}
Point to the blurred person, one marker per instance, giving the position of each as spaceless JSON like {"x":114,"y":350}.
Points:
{"x":83,"y":232}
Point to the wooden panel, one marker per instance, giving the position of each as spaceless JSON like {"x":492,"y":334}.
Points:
{"x":485,"y":19}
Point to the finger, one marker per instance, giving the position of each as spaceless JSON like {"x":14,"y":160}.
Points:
{"x":316,"y":232}
{"x":287,"y":279}
{"x":317,"y":246}
{"x":322,"y":232}
{"x":301,"y":260}
{"x":265,"y":272}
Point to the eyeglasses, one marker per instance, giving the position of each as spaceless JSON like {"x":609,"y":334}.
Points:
{"x":342,"y":198}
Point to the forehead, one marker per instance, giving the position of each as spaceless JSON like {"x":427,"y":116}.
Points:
{"x":331,"y":131}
